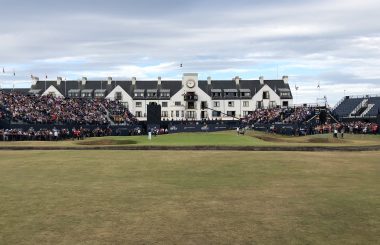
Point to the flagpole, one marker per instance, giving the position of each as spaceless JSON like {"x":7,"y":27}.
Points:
{"x":319,"y":91}
{"x":65,"y":88}
{"x":14,"y":78}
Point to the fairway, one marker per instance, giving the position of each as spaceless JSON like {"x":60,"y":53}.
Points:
{"x":203,"y":139}
{"x":176,"y":197}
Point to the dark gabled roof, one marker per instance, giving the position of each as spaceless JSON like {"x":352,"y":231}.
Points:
{"x":244,"y":85}
{"x":226,"y":84}
{"x":202,"y":84}
{"x":43,"y":85}
{"x":146,"y":85}
{"x":126,"y":85}
{"x":275,"y":85}
{"x":173,"y":86}
{"x":95,"y":85}
{"x":253,"y":85}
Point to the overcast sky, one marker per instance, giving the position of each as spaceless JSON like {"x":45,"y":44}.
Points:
{"x":335,"y":43}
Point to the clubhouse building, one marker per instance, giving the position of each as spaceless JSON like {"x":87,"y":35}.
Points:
{"x":186,"y":99}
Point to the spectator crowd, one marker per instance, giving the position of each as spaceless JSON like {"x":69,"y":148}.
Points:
{"x":295,"y":115}
{"x":357,"y":127}
{"x":55,"y":110}
{"x":52,"y":134}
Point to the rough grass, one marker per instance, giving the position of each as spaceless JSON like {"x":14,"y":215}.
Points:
{"x":132,"y":197}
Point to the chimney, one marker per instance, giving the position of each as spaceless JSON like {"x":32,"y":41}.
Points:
{"x":285,"y":79}
{"x":208,"y":80}
{"x":59,"y":80}
{"x":237,"y":80}
{"x":84,"y":80}
{"x":35,"y":80}
{"x":261,"y":80}
{"x":109,"y":80}
{"x":133,"y":80}
{"x":159,"y":81}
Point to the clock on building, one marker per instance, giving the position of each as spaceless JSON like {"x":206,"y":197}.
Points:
{"x":190,"y":83}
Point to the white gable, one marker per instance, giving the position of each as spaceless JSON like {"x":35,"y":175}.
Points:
{"x":52,"y":90}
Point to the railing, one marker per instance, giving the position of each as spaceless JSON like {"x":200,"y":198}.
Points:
{"x":363,"y":96}
{"x":339,"y":103}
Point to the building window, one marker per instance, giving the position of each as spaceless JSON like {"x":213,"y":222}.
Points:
{"x":138,"y":114}
{"x":216,"y":94}
{"x":176,"y":113}
{"x":272,"y":104}
{"x":118,"y":96}
{"x":246,"y":113}
{"x":245,"y":103}
{"x":285,"y":94}
{"x":266,"y":95}
{"x":191,"y":105}
{"x":230,"y":104}
{"x":152,"y":95}
{"x":164,"y":114}
{"x":177,"y":103}
{"x":231,"y":113}
{"x":165,"y":94}
{"x":285,"y":103}
{"x":99,"y":94}
{"x":182,"y":113}
{"x":139,"y":94}
{"x":216,"y":113}
{"x":259,"y":104}
{"x":191,"y":114}
{"x":138,"y":104}
{"x":204,"y":105}
{"x":164,"y":104}
{"x":216,"y":104}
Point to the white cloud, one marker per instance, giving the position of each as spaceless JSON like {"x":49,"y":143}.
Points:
{"x":336,"y":42}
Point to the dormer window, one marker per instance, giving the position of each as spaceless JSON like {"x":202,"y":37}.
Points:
{"x":230,"y":93}
{"x":74,"y":93}
{"x":152,"y":93}
{"x":139,"y":93}
{"x":245,"y":93}
{"x":165,"y":93}
{"x":216,"y":93}
{"x":100,"y":93}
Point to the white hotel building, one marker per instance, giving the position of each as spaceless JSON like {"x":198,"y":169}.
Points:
{"x":189,"y":98}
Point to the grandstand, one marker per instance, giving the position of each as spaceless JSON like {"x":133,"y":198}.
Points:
{"x":358,"y":108}
{"x":19,"y":108}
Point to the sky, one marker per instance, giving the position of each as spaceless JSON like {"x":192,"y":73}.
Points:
{"x":334,"y":43}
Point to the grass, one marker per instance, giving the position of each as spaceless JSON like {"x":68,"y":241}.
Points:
{"x":226,"y":138}
{"x":178,"y":197}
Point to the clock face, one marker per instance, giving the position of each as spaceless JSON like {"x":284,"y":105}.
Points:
{"x":190,"y":83}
